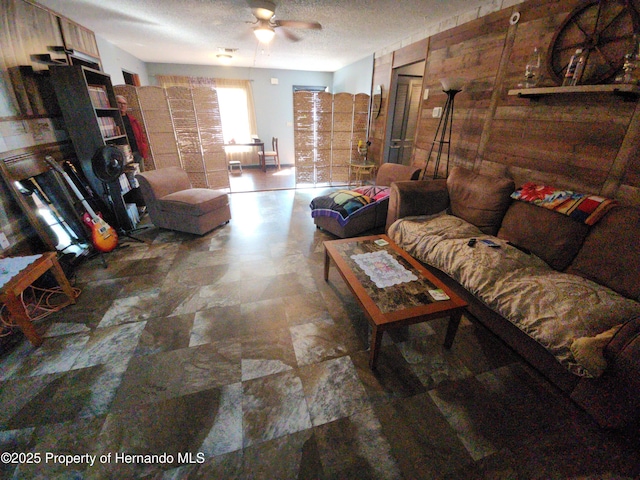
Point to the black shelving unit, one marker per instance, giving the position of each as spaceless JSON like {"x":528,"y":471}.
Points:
{"x":88,"y":106}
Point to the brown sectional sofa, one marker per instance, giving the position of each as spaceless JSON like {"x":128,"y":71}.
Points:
{"x":562,"y":294}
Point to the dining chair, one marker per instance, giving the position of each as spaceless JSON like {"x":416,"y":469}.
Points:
{"x":272,"y":153}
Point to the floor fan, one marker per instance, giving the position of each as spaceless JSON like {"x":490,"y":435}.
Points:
{"x":108,"y":164}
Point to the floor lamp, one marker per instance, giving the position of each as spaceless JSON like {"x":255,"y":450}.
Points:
{"x":450,"y":86}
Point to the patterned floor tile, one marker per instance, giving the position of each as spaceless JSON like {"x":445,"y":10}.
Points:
{"x":333,"y":390}
{"x":267,"y":354}
{"x":355,"y":447}
{"x":273,"y":406}
{"x":231,"y":349}
{"x":320,"y":341}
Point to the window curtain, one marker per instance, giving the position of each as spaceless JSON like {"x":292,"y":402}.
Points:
{"x":166,"y":81}
{"x":246,"y":155}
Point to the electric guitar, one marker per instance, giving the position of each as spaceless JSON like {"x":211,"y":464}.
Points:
{"x":103,"y":236}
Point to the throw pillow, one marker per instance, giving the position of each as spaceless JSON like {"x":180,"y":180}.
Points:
{"x":479,"y":199}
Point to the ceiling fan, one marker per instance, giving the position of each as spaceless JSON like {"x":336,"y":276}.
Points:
{"x":265,"y":24}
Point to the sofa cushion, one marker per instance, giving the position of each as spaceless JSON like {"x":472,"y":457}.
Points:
{"x":553,"y":308}
{"x":193,"y":201}
{"x":589,"y":351}
{"x":479,"y":199}
{"x":610,"y":254}
{"x":553,"y":237}
{"x":163,"y":181}
{"x":389,"y":173}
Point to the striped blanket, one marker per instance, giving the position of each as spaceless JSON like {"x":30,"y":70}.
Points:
{"x":579,"y":206}
{"x":342,"y":204}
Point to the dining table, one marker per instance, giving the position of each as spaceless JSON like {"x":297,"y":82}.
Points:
{"x":259,"y":145}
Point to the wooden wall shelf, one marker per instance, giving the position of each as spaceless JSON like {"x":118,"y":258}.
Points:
{"x":624,"y":90}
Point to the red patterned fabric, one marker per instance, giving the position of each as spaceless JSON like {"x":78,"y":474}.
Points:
{"x":579,"y":206}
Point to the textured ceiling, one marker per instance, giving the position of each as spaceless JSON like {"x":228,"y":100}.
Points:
{"x":193,"y":31}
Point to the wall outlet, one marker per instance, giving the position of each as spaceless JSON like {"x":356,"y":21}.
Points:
{"x":4,"y":243}
{"x":437,"y":112}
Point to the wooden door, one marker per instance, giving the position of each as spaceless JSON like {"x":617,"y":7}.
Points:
{"x":404,"y":118}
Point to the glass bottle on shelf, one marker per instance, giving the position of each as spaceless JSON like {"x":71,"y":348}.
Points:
{"x":532,"y":69}
{"x":629,"y":72}
{"x":571,"y":68}
{"x":579,"y":70}
{"x":629,"y":66}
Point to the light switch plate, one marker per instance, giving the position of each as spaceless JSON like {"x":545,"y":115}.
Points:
{"x":4,"y":243}
{"x":437,"y":112}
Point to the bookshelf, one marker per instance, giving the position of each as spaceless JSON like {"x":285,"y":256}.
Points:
{"x":92,"y":120}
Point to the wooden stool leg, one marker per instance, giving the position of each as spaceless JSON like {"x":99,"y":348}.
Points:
{"x":21,"y":317}
{"x":62,"y":279}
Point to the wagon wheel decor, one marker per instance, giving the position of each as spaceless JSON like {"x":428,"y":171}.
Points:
{"x":604,"y":30}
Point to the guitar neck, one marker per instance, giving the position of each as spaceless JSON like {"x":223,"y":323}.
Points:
{"x":51,"y":161}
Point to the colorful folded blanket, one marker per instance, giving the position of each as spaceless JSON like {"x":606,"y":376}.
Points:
{"x":579,"y":206}
{"x":344,"y":203}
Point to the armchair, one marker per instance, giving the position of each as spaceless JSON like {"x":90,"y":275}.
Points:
{"x":173,"y":204}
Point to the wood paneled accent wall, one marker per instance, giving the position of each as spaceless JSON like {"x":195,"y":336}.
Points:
{"x":588,"y":142}
{"x":27,"y":31}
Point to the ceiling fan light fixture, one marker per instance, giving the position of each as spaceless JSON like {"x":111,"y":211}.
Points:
{"x":264,"y":32}
{"x":262,"y":9}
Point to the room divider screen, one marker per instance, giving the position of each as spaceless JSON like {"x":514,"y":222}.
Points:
{"x":327,"y":130}
{"x":184,"y":129}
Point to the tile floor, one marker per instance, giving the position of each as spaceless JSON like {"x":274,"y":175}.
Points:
{"x":228,"y":356}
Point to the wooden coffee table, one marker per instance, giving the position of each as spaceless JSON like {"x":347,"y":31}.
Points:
{"x":397,"y":305}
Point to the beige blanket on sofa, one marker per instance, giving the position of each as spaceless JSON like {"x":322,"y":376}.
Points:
{"x":552,"y":307}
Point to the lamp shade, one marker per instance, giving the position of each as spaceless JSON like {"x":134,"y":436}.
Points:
{"x":455,"y":84}
{"x":264,"y":33}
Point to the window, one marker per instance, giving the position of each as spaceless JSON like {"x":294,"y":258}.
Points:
{"x":235,"y":100}
{"x":234,"y":112}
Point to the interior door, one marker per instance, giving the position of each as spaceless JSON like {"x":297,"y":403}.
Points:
{"x":404,"y":117}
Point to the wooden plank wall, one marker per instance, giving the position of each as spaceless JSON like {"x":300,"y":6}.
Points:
{"x":588,"y":142}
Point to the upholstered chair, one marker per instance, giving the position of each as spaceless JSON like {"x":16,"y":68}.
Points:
{"x":174,"y":204}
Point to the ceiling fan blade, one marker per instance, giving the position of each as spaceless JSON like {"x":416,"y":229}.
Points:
{"x":289,"y":35}
{"x":298,"y":24}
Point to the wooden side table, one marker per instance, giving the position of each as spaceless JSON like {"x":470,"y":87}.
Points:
{"x":10,"y":293}
{"x":363,"y":169}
